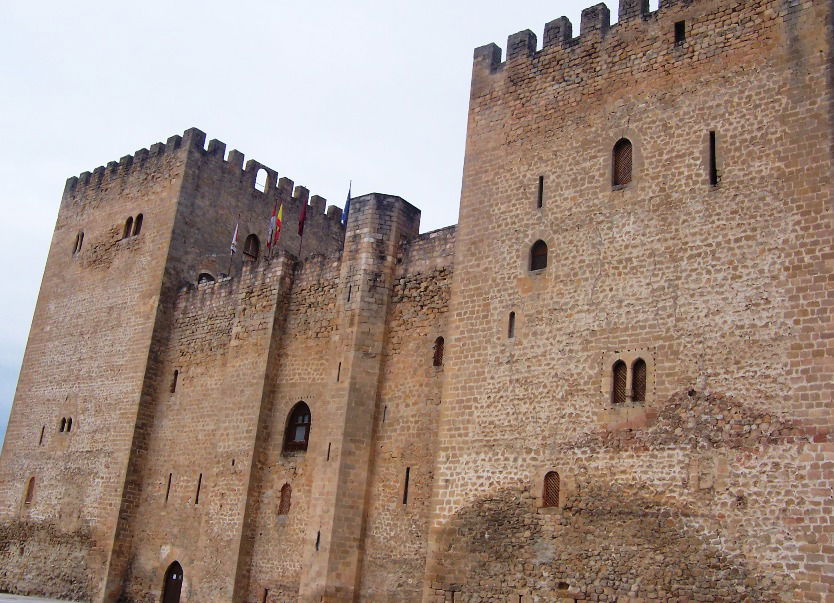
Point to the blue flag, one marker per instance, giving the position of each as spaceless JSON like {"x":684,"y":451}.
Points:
{"x":346,"y":210}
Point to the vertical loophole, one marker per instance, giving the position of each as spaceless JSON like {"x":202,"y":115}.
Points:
{"x":328,"y":449}
{"x":339,"y":372}
{"x":511,"y":326}
{"x":318,"y":539}
{"x":405,"y":485}
{"x":540,"y":193}
{"x":174,"y":381}
{"x":199,"y":484}
{"x":40,"y":440}
{"x":168,"y":489}
{"x":713,"y":160}
{"x":384,"y":412}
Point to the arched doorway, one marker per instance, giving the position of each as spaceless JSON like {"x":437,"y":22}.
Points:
{"x":173,"y":584}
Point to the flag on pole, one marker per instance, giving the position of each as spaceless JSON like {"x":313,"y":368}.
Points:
{"x":233,"y":247}
{"x":302,"y":217}
{"x":346,"y":210}
{"x":270,"y":234}
{"x":278,"y":222}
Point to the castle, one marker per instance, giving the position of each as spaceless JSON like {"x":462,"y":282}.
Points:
{"x":610,"y":381}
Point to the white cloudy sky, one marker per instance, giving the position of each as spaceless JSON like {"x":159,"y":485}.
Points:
{"x":323,"y":92}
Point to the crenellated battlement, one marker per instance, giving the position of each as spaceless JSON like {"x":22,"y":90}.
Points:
{"x":595,"y":29}
{"x":193,"y":140}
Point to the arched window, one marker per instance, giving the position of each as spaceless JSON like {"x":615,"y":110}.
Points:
{"x":550,"y":492}
{"x":538,"y":256}
{"x":79,"y":241}
{"x":69,"y":425}
{"x":438,"y":352}
{"x":128,"y":228}
{"x":205,"y":277}
{"x":618,"y":382}
{"x":30,"y":491}
{"x":63,"y":424}
{"x":251,"y":248}
{"x":260,"y":179}
{"x":511,"y":326}
{"x":638,"y":381}
{"x":137,"y":225}
{"x":284,"y":504}
{"x":621,"y":163}
{"x":297,"y":434}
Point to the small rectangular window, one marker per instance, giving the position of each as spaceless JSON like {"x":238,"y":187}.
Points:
{"x":405,"y":486}
{"x":540,"y":194}
{"x":713,"y":160}
{"x":680,"y":32}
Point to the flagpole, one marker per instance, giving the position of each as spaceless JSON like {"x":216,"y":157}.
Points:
{"x":233,"y":248}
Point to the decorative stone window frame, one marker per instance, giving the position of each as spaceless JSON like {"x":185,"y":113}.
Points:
{"x":628,"y":357}
{"x":567,"y":485}
{"x":607,"y":151}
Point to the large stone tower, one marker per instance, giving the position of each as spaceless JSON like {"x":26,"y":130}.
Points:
{"x":640,"y":370}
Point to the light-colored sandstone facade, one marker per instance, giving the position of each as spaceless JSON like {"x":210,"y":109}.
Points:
{"x":704,"y":474}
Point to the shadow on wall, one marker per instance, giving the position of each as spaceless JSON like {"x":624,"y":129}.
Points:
{"x":38,"y":559}
{"x":604,"y":542}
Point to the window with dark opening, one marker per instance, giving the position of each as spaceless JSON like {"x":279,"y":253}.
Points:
{"x":63,"y":424}
{"x":30,"y":491}
{"x":405,"y":485}
{"x":511,"y":326}
{"x":540,"y":193}
{"x":251,"y":248}
{"x":438,"y":352}
{"x":174,"y":380}
{"x":318,"y":539}
{"x":128,"y":228}
{"x":550,"y":493}
{"x":680,"y":33}
{"x":284,"y":504}
{"x":40,"y":440}
{"x":638,"y":381}
{"x":69,"y":425}
{"x":713,"y":160}
{"x":205,"y":277}
{"x":168,"y":489}
{"x":618,"y":384}
{"x":297,"y":434}
{"x":538,"y":256}
{"x":339,"y":372}
{"x":199,"y":484}
{"x":137,"y":225}
{"x":621,"y":163}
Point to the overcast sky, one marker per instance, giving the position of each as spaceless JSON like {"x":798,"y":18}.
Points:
{"x":323,"y":92}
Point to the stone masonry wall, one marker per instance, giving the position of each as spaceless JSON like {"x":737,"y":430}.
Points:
{"x":406,"y":422}
{"x":85,"y":360}
{"x":724,"y":290}
{"x":203,"y":435}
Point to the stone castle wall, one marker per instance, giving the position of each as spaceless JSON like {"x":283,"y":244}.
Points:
{"x":720,"y":289}
{"x":424,"y":478}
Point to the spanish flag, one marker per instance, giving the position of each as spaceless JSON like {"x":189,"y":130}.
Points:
{"x":278,"y":221}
